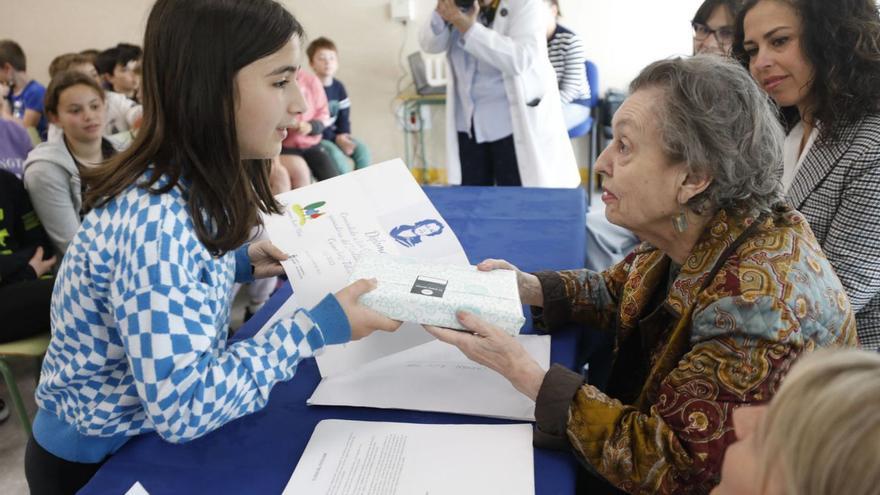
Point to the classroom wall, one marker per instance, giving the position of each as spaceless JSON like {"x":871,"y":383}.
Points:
{"x":621,"y":36}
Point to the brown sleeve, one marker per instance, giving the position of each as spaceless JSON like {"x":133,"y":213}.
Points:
{"x":552,"y":405}
{"x":579,"y":296}
{"x":557,"y":305}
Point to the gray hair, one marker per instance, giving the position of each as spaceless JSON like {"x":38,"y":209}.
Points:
{"x":715,"y":119}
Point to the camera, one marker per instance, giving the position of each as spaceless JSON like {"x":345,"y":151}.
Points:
{"x":464,"y":5}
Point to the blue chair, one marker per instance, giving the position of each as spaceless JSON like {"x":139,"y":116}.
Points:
{"x":590,"y":125}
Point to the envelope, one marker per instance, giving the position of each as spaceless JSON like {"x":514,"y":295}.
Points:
{"x":431,"y":293}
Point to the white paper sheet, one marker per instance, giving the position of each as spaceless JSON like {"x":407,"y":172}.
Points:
{"x":137,"y":489}
{"x":326,"y":226}
{"x":434,"y":377}
{"x":373,"y":458}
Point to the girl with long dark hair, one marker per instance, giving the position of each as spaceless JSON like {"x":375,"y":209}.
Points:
{"x":140,"y":311}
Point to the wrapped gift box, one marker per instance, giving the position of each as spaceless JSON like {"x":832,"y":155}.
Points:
{"x":431,"y":293}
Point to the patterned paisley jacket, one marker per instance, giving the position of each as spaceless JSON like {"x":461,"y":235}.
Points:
{"x":753,"y":295}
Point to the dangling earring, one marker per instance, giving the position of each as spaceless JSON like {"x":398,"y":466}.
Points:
{"x":680,"y":221}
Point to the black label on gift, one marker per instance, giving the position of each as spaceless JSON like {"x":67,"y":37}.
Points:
{"x":427,"y":286}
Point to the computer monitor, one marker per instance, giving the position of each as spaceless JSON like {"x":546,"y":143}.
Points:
{"x":420,"y":76}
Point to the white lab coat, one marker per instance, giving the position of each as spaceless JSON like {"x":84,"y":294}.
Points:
{"x":516,"y":44}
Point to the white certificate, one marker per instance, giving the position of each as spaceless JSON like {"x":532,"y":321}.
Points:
{"x":434,"y":377}
{"x":362,"y":457}
{"x":327,"y":226}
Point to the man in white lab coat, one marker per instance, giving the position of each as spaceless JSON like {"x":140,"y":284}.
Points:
{"x":504,"y":120}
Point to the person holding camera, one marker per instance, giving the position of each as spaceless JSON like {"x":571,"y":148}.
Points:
{"x":504,"y":117}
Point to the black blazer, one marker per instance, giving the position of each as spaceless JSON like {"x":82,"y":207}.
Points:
{"x":837,"y":189}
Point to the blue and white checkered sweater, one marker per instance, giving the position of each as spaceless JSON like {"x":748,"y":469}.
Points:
{"x":140,"y":314}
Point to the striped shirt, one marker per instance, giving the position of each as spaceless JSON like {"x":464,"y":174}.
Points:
{"x":566,"y":50}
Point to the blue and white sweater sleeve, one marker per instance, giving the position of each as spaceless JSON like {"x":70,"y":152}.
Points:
{"x":169,"y":325}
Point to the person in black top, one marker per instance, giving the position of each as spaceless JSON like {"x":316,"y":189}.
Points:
{"x":25,"y":288}
{"x":25,"y":264}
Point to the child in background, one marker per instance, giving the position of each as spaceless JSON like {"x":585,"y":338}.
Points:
{"x":23,"y":100}
{"x":140,"y":312}
{"x":117,"y":68}
{"x":75,"y":104}
{"x":25,"y":257}
{"x":301,"y":151}
{"x":15,"y":144}
{"x":74,"y":61}
{"x":338,"y":141}
{"x":122,"y":112}
{"x":24,"y":294}
{"x":91,"y":54}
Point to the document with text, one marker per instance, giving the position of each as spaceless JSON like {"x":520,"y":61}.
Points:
{"x":376,"y":458}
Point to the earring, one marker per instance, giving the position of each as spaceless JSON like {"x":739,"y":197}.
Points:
{"x":680,"y":221}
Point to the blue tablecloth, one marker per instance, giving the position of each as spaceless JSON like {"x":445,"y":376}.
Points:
{"x":533,"y":228}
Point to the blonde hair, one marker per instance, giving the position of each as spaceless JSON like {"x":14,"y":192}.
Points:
{"x":823,"y":427}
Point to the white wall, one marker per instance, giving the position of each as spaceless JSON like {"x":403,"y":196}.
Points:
{"x":622,"y":36}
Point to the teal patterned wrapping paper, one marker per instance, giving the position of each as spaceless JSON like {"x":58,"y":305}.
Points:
{"x":430,"y":293}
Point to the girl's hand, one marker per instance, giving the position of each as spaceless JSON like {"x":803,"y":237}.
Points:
{"x":266,"y":259}
{"x":345,"y":143}
{"x":362,"y":319}
{"x":530,"y":291}
{"x":304,"y":128}
{"x":39,"y":265}
{"x":494,"y":349}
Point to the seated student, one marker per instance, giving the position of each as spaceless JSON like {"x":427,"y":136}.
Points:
{"x":74,"y":103}
{"x":301,"y":151}
{"x":24,"y":295}
{"x":122,"y":112}
{"x":24,"y":102}
{"x":117,"y":68}
{"x":74,"y":61}
{"x":566,"y":50}
{"x":91,"y":54}
{"x":818,"y":435}
{"x":24,"y":258}
{"x":15,"y":144}
{"x":141,"y":308}
{"x":338,"y":141}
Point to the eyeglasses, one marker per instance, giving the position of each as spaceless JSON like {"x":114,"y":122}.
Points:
{"x":723,"y":35}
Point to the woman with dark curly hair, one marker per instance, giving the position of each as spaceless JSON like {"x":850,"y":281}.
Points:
{"x":820,"y":62}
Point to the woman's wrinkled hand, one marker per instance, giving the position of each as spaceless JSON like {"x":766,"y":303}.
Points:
{"x":530,"y":291}
{"x":490,"y":346}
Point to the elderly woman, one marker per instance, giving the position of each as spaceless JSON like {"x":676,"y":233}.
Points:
{"x":781,"y":450}
{"x":709,"y":313}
